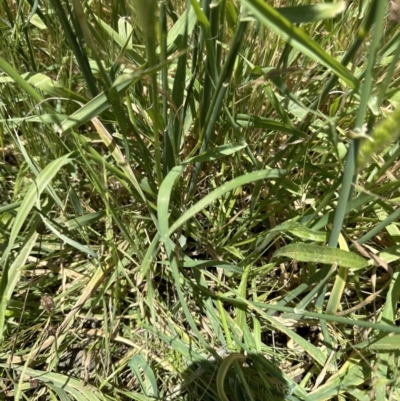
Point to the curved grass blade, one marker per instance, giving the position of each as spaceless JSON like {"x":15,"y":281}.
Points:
{"x":162,"y":210}
{"x":312,"y":12}
{"x":223,"y":370}
{"x":322,"y":254}
{"x":149,"y":387}
{"x":165,"y":191}
{"x":163,"y":200}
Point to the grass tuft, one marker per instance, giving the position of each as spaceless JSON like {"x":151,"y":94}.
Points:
{"x":199,"y":200}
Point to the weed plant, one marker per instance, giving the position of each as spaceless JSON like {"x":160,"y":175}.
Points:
{"x":199,"y":200}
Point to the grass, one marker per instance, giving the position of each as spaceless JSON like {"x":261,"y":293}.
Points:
{"x":199,"y":200}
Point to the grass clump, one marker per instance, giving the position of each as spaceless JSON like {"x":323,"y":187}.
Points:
{"x":199,"y":200}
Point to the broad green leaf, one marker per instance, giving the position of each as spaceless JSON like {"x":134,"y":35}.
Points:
{"x":387,"y":343}
{"x":53,"y":88}
{"x":271,"y":18}
{"x":185,"y":21}
{"x":322,"y":254}
{"x":35,"y":20}
{"x":312,"y":12}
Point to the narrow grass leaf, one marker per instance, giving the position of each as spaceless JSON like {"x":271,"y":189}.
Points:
{"x":322,"y":254}
{"x":199,"y":264}
{"x":217,"y":193}
{"x":314,"y":352}
{"x":123,"y":42}
{"x":312,"y":12}
{"x":351,"y":374}
{"x":340,"y":283}
{"x":223,"y":370}
{"x":151,"y":388}
{"x":97,"y":105}
{"x":50,"y":87}
{"x":187,"y":21}
{"x":186,"y":350}
{"x":75,"y":41}
{"x":117,"y":154}
{"x":43,"y":119}
{"x":14,"y":271}
{"x":164,"y":195}
{"x":63,"y":395}
{"x":32,"y":195}
{"x":66,"y":383}
{"x":246,"y":121}
{"x":300,"y":231}
{"x":85,"y":220}
{"x":206,"y":28}
{"x":19,"y":80}
{"x":70,"y":241}
{"x":387,"y":343}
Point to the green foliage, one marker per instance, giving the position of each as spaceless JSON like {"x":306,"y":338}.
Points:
{"x":199,"y":200}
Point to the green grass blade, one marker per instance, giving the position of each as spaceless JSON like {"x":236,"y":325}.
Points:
{"x":223,"y":370}
{"x":97,"y":105}
{"x":12,"y":73}
{"x":217,"y":193}
{"x":312,"y":12}
{"x":322,"y":254}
